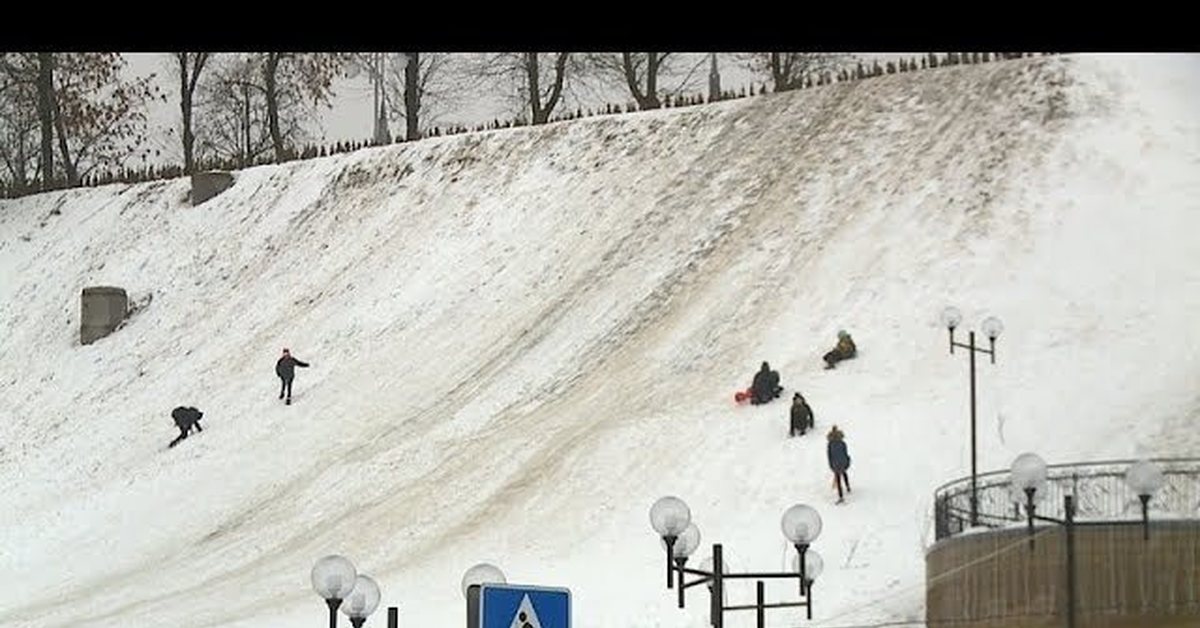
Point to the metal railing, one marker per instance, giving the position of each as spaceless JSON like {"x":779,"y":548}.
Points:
{"x":1099,"y":489}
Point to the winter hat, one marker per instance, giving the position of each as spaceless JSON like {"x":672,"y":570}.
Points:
{"x":842,"y":333}
{"x":286,"y":352}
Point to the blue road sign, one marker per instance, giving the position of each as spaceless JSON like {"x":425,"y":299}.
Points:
{"x":520,"y":606}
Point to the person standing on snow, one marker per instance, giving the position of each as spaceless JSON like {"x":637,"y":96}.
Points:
{"x":802,"y":416}
{"x":839,"y":460}
{"x":285,"y":368}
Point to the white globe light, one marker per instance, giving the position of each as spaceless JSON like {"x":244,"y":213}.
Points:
{"x":686,"y":543}
{"x":813,"y":564}
{"x":992,"y":327}
{"x":363,"y":599}
{"x":1029,"y":472}
{"x":483,"y":573}
{"x":1145,"y":477}
{"x":951,"y":317}
{"x":333,"y":577}
{"x":801,"y":524}
{"x":670,"y":516}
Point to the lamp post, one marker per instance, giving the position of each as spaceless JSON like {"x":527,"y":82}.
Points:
{"x":362,"y":601}
{"x":473,"y":578}
{"x":336,"y":580}
{"x":333,"y":578}
{"x":1029,"y":475}
{"x":671,"y":519}
{"x":992,"y":327}
{"x":670,"y":516}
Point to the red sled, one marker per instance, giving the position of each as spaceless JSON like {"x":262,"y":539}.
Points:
{"x":742,"y":396}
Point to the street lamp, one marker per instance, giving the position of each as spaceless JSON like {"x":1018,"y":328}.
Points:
{"x":333,"y":578}
{"x":362,"y":601}
{"x":680,"y":550}
{"x":671,"y":519}
{"x":992,"y":327}
{"x":1029,"y":475}
{"x":670,"y":516}
{"x":478,"y":575}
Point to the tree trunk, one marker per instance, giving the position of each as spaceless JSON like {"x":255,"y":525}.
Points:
{"x":647,"y":99}
{"x":185,"y":108}
{"x":714,"y":80}
{"x":187,"y":89}
{"x":245,"y":156}
{"x":45,"y":88}
{"x":535,"y":95}
{"x":272,"y":96}
{"x":542,"y":111}
{"x":652,"y":62}
{"x":69,"y":166}
{"x":412,"y":99}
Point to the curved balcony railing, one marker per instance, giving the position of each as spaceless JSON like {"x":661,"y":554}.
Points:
{"x":1100,"y":491}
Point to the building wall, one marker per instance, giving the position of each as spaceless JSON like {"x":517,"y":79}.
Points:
{"x":994,"y":580}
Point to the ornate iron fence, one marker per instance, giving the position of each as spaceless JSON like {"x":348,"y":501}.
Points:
{"x":1100,"y":491}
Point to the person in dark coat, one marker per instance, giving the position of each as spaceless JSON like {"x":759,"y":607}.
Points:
{"x":844,"y":350}
{"x":186,"y":417}
{"x":285,"y":368}
{"x":802,"y":416}
{"x":765,"y":386}
{"x":839,"y":460}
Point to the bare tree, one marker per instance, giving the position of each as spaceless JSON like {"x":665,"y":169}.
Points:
{"x":99,"y":116}
{"x":82,"y":101}
{"x":787,"y":70}
{"x":537,"y":79}
{"x":375,"y":64}
{"x":651,"y":76}
{"x":189,"y":66}
{"x":421,"y":85}
{"x":234,"y":126}
{"x":19,"y":122}
{"x":306,"y":76}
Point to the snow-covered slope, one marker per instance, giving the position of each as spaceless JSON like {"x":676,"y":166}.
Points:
{"x":520,"y":339}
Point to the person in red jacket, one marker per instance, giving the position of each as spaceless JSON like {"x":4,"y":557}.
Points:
{"x":285,"y":368}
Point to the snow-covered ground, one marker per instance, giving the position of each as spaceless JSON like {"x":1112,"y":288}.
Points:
{"x":520,"y":339}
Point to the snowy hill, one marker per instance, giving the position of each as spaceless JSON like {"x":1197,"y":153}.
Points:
{"x":520,"y":339}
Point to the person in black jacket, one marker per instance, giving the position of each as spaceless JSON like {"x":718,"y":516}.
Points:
{"x":186,"y":418}
{"x":839,"y":460}
{"x":285,"y":368}
{"x":765,"y":386}
{"x":802,"y":415}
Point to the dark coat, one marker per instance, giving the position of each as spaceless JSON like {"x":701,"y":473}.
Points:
{"x":186,"y":416}
{"x":802,"y":414}
{"x":761,"y":386}
{"x":839,"y":458}
{"x":285,"y":368}
{"x":765,"y":386}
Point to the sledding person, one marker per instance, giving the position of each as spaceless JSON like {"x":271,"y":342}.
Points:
{"x":185,"y":419}
{"x":839,"y":460}
{"x":765,"y":386}
{"x":802,"y":415}
{"x":285,"y":368}
{"x":844,"y":350}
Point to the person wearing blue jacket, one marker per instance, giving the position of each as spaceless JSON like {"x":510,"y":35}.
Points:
{"x":839,"y":460}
